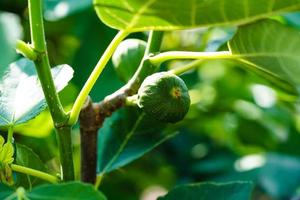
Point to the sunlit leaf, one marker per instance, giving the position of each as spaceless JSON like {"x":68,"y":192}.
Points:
{"x":137,"y":15}
{"x":272,"y":49}
{"x":21,"y":95}
{"x":6,"y":152}
{"x":10,"y":31}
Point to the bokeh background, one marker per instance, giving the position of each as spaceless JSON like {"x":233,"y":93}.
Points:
{"x":239,"y":126}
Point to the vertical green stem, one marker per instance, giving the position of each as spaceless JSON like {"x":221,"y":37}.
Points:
{"x":36,"y":25}
{"x":154,"y":42}
{"x":59,"y":117}
{"x":42,"y":63}
{"x":10,"y":134}
{"x":146,"y":68}
{"x":66,"y":152}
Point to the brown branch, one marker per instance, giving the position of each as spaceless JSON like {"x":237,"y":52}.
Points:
{"x":89,"y":126}
{"x":91,"y":119}
{"x":113,"y":102}
{"x":92,"y":115}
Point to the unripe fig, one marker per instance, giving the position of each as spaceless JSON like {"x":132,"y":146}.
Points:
{"x":165,"y":97}
{"x":128,"y":57}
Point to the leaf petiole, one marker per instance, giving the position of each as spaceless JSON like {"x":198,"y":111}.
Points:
{"x":131,"y":100}
{"x":185,"y":55}
{"x":26,"y":50}
{"x":98,"y":180}
{"x":35,"y":173}
{"x":180,"y":70}
{"x":74,"y":114}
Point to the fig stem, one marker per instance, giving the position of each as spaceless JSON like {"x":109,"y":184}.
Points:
{"x":26,"y":50}
{"x":132,"y":100}
{"x":79,"y":102}
{"x":178,"y":55}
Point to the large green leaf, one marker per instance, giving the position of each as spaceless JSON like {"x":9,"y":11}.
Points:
{"x":271,"y":49}
{"x":211,"y":191}
{"x":68,"y":191}
{"x":126,"y":136}
{"x":5,"y":191}
{"x":10,"y":31}
{"x":21,"y":97}
{"x":138,"y":15}
{"x":26,"y":157}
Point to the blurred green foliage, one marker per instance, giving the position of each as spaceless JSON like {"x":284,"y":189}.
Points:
{"x":239,"y":126}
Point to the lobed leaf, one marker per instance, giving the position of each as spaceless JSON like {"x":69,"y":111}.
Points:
{"x":271,"y":49}
{"x":141,"y":15}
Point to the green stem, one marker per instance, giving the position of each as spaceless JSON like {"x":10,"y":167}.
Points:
{"x":146,"y":68}
{"x":44,"y":72}
{"x":10,"y":134}
{"x":94,"y":76}
{"x":185,"y":68}
{"x":98,"y":181}
{"x":26,"y":50}
{"x":173,"y":55}
{"x":154,"y":42}
{"x":66,"y":153}
{"x":36,"y":25}
{"x":132,"y":100}
{"x":21,"y":194}
{"x":42,"y":62}
{"x":35,"y":173}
